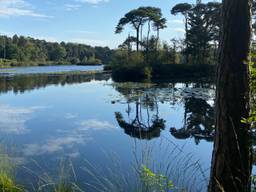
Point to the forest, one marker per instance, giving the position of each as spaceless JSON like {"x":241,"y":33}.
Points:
{"x":26,"y":51}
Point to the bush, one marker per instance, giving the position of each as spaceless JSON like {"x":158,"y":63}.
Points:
{"x":129,"y":67}
{"x":74,"y":60}
{"x":122,"y":58}
{"x":171,"y":71}
{"x":90,"y":61}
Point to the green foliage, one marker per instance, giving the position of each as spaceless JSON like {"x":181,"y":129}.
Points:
{"x":253,"y":187}
{"x":20,"y":51}
{"x":137,"y":19}
{"x":202,"y":30}
{"x":161,"y":64}
{"x":92,"y":61}
{"x":156,"y":59}
{"x":175,"y":71}
{"x":8,"y":185}
{"x":155,"y":182}
{"x":252,"y":69}
{"x":124,"y":59}
{"x":7,"y":182}
{"x":182,"y":8}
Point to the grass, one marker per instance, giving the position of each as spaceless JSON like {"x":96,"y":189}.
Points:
{"x":159,"y":166}
{"x":7,"y":179}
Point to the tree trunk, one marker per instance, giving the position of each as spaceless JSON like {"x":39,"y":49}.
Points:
{"x":141,"y":37}
{"x":231,"y":162}
{"x":186,"y":41}
{"x":157,"y":38}
{"x":137,"y":39}
{"x":147,"y":48}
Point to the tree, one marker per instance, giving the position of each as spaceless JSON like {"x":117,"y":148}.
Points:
{"x":183,"y":8}
{"x":231,"y":162}
{"x":159,"y":24}
{"x":202,"y":26}
{"x":198,"y":37}
{"x":136,"y":18}
{"x":153,"y":16}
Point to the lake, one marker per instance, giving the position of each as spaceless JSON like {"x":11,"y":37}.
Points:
{"x":98,"y":133}
{"x":48,"y":69}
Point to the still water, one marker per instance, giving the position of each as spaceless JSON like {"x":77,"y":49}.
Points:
{"x":103,"y":132}
{"x":48,"y":69}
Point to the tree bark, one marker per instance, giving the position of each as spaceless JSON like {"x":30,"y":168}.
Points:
{"x":186,"y":38}
{"x":147,"y":48}
{"x":141,"y":36}
{"x":137,"y":39}
{"x":231,"y":161}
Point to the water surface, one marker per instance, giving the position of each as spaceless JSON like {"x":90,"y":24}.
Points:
{"x":48,"y":69}
{"x":89,"y":119}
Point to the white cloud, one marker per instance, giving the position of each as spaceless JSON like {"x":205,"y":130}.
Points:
{"x":94,"y":124}
{"x":68,"y":138}
{"x":94,"y":2}
{"x":52,"y":145}
{"x":72,"y":7}
{"x":18,"y":8}
{"x":70,"y":116}
{"x":13,"y":119}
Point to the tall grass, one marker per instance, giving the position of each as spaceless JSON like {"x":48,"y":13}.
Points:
{"x":160,"y":166}
{"x":7,"y":178}
{"x":154,"y":166}
{"x":63,"y":181}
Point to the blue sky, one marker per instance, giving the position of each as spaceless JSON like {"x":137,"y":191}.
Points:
{"x":82,"y":21}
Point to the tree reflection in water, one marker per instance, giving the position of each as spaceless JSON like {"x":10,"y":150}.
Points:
{"x":136,"y":127}
{"x":198,"y":111}
{"x":198,"y":121}
{"x":23,"y":83}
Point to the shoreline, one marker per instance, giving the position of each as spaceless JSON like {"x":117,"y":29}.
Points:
{"x":93,"y":72}
{"x":14,"y":64}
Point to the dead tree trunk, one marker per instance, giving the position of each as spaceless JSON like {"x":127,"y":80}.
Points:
{"x":231,"y":162}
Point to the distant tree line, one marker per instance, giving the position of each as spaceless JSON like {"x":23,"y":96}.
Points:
{"x":21,"y":50}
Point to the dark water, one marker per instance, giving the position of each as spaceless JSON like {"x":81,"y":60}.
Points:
{"x":47,"y":69}
{"x":105,"y":129}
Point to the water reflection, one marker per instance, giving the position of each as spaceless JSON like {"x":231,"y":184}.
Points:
{"x":143,"y":118}
{"x":198,"y":121}
{"x":85,"y":117}
{"x":13,"y":119}
{"x":22,"y":83}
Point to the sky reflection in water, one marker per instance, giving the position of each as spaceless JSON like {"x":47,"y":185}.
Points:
{"x":49,"y":118}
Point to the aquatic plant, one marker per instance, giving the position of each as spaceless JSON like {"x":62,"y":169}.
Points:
{"x":155,"y":182}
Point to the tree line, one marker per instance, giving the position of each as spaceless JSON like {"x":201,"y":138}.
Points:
{"x":202,"y":24}
{"x":20,"y":50}
{"x":145,"y":53}
{"x":202,"y":28}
